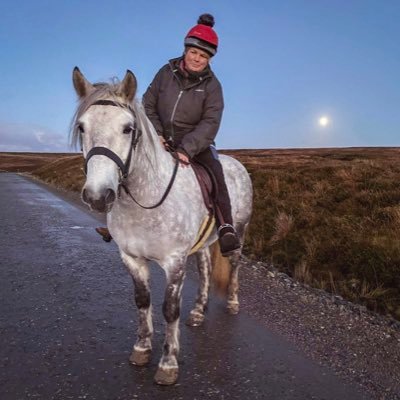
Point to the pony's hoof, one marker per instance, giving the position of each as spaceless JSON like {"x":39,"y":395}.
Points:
{"x":166,"y":376}
{"x":140,"y":357}
{"x":195,"y":319}
{"x":233,"y":308}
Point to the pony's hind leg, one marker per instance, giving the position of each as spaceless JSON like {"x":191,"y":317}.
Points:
{"x":167,"y":372}
{"x":196,"y":316}
{"x":139,"y":271}
{"x":233,"y":287}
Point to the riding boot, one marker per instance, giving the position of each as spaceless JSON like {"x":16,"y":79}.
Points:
{"x":228,"y":238}
{"x":104,"y":233}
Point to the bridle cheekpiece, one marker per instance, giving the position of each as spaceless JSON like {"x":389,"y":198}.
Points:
{"x":104,"y":151}
{"x":124,"y":167}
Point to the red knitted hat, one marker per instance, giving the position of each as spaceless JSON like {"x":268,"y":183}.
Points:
{"x":203,"y":35}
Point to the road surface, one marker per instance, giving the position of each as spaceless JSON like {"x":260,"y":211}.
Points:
{"x":68,"y":321}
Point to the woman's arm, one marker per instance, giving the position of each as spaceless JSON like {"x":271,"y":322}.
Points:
{"x":203,"y":135}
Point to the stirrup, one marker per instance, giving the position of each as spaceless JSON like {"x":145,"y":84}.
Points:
{"x":228,"y":241}
{"x":228,"y":227}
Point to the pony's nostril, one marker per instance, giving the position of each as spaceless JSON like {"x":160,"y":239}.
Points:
{"x":110,"y":196}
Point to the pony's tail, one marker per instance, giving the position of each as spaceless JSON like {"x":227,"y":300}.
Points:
{"x":221,"y":270}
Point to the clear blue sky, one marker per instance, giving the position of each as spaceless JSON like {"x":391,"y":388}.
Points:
{"x":282,"y":64}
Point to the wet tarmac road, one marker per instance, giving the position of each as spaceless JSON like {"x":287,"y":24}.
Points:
{"x":68,"y":321}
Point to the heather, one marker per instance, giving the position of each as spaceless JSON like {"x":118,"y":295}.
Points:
{"x":330,"y":218}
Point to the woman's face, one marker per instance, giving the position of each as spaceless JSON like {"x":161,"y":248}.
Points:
{"x":196,"y":59}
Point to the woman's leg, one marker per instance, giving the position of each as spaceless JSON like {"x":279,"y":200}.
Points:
{"x":227,"y":235}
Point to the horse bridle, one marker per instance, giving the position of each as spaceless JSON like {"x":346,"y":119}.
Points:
{"x":104,"y":151}
{"x":124,"y":167}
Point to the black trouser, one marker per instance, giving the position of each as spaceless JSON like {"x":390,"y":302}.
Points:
{"x":209,"y":158}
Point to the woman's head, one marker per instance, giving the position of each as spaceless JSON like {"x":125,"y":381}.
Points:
{"x":196,"y":60}
{"x":202,"y":36}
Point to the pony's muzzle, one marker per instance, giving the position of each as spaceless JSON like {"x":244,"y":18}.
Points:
{"x":101,"y":202}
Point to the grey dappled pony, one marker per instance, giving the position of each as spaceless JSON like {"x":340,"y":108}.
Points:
{"x":108,"y":118}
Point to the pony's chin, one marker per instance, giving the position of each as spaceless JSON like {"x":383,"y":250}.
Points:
{"x":99,"y":206}
{"x":104,"y":210}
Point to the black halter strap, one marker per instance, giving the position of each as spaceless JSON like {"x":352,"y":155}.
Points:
{"x":113,"y":103}
{"x":124,"y":167}
{"x":169,"y":187}
{"x":104,"y":151}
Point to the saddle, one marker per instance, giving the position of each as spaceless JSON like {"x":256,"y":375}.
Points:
{"x":205,"y":178}
{"x":207,"y":183}
{"x":208,"y":187}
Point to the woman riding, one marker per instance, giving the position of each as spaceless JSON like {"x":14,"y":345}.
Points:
{"x":185,"y":103}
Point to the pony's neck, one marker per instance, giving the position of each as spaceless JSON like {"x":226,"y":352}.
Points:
{"x":151,"y":164}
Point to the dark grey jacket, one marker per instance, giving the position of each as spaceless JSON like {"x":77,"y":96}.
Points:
{"x":186,"y":108}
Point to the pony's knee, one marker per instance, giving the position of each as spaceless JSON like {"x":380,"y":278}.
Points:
{"x":172,"y":300}
{"x":142,"y":295}
{"x":171,"y":310}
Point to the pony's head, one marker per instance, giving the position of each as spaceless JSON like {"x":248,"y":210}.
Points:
{"x":105,"y":127}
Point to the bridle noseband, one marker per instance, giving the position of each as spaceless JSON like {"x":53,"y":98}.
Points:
{"x":124,"y":167}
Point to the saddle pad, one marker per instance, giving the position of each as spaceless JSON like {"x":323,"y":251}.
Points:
{"x":204,"y":232}
{"x":206,"y":182}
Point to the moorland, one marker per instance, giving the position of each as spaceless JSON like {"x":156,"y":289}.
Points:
{"x":330,"y":218}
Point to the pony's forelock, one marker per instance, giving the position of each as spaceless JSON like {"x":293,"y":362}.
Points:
{"x":101,"y":91}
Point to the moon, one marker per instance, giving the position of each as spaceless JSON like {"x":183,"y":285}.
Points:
{"x":323,"y":121}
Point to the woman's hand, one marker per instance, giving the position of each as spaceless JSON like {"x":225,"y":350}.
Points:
{"x":184,"y":159}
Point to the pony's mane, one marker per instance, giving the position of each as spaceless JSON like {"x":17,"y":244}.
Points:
{"x":149,"y":135}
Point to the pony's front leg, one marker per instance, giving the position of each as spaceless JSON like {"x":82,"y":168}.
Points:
{"x":167,"y":372}
{"x":139,"y":271}
{"x":196,"y":316}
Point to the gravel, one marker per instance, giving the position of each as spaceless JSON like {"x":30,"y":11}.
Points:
{"x":361,"y":346}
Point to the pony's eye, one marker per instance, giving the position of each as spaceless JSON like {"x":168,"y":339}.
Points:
{"x":80,"y":128}
{"x":127,"y":130}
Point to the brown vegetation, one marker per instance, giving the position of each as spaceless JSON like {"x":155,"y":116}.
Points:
{"x":328,"y":217}
{"x":26,"y":162}
{"x":331,"y":219}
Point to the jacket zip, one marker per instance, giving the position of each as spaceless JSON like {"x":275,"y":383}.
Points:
{"x":174,"y":72}
{"x":173,"y":113}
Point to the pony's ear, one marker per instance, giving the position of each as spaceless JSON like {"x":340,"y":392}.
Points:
{"x":128,"y":86}
{"x":81,"y":85}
